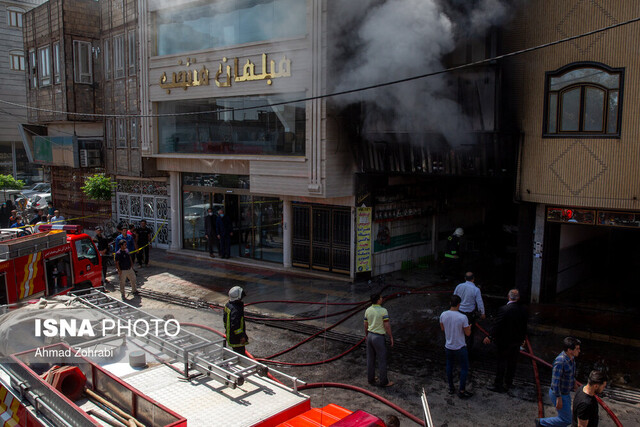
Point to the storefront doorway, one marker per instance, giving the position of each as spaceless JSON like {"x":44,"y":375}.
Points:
{"x":322,"y":237}
{"x":256,"y":220}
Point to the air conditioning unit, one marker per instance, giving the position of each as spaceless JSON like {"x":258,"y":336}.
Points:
{"x":89,"y":158}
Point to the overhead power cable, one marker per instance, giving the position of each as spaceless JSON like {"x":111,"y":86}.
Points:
{"x":348,"y":91}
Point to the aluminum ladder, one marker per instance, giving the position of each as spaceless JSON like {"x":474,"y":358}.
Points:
{"x":204,"y":356}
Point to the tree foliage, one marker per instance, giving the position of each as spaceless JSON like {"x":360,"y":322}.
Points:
{"x":98,"y":187}
{"x":8,"y":182}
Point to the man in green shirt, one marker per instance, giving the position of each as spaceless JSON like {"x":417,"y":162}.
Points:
{"x":376,"y":325}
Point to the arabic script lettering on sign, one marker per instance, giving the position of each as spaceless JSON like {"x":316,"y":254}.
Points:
{"x":185,"y":79}
{"x":363,"y":239}
{"x":227,"y":74}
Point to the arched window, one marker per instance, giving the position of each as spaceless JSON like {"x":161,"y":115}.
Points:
{"x":583,"y":100}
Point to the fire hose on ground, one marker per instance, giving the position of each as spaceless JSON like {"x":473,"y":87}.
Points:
{"x":359,"y":306}
{"x":530,"y":355}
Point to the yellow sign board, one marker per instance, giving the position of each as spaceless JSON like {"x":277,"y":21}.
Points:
{"x":363,"y":240}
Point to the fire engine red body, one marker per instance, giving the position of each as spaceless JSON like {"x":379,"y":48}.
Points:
{"x":52,"y":262}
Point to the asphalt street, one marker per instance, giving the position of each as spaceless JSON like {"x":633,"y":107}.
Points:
{"x":415,"y":300}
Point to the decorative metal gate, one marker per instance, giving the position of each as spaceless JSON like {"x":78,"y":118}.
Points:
{"x":155,"y":209}
{"x":321,"y":237}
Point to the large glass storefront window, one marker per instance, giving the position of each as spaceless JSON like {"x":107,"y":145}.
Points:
{"x":260,"y":228}
{"x":244,"y":125}
{"x":256,"y":220}
{"x":227,"y":23}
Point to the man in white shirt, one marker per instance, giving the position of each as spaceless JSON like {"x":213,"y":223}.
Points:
{"x":456,"y":326}
{"x":57,"y":218}
{"x":471,"y":305}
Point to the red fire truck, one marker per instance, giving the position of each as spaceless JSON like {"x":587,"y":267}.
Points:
{"x":53,"y":261}
{"x":174,"y":377}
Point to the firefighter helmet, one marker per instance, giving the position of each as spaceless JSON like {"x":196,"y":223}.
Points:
{"x":236,"y":293}
{"x":459,"y":232}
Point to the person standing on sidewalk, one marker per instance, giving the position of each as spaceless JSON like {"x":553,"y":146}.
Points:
{"x":210,"y":231}
{"x":233,"y":318}
{"x":452,"y":262}
{"x":124,"y":265}
{"x":143,"y":242}
{"x":129,"y":239}
{"x":103,"y":249}
{"x":508,"y":334}
{"x":471,"y":305}
{"x":376,"y":326}
{"x":455,"y":326}
{"x":563,"y":379}
{"x":585,"y":404}
{"x":224,"y":232}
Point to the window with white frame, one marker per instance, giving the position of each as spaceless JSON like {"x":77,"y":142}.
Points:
{"x":133,"y":132}
{"x":16,"y":60}
{"x":132,"y":53}
{"x":14,"y":17}
{"x":56,"y":62}
{"x":33,"y":69}
{"x":83,"y":72}
{"x":109,"y":132}
{"x":107,"y":59}
{"x":118,"y":56}
{"x":44,"y":65}
{"x":121,"y":133}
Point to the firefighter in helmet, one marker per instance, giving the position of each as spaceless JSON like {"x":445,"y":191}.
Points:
{"x":452,"y":262}
{"x":233,"y":318}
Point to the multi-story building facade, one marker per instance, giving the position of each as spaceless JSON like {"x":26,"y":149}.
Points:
{"x":142,"y":192}
{"x":578,"y":178}
{"x":232,"y":108}
{"x":198,"y":105}
{"x":61,"y":42}
{"x":13,"y":157}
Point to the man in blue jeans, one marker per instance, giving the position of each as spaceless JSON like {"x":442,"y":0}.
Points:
{"x":455,"y":326}
{"x":563,"y":379}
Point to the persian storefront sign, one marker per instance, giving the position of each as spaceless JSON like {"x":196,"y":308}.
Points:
{"x":363,"y":240}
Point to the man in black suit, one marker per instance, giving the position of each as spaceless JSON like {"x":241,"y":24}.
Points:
{"x":210,"y":231}
{"x":224,"y":231}
{"x":508,"y":333}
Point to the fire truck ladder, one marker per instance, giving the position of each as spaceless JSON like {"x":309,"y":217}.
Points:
{"x":204,"y":356}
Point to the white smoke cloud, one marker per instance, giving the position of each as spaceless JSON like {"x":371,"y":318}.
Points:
{"x":384,"y":40}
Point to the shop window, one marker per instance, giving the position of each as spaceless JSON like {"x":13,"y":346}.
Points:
{"x":16,"y":60}
{"x":133,"y":62}
{"x":227,"y":23}
{"x":56,"y":62}
{"x":250,"y":125}
{"x":121,"y":133}
{"x":82,"y":62}
{"x":14,"y":17}
{"x":584,"y":100}
{"x":118,"y":56}
{"x":44,"y":66}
